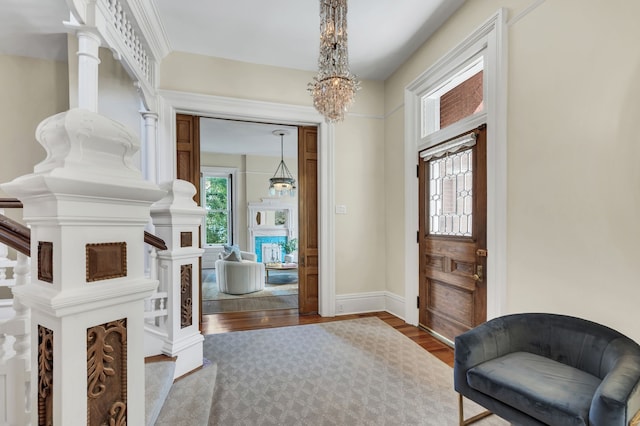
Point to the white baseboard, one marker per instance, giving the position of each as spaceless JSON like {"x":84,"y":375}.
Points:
{"x":358,"y":303}
{"x":188,"y":349}
{"x":395,"y":304}
{"x":153,"y":341}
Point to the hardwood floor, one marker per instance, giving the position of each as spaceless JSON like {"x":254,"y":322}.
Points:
{"x":237,"y":321}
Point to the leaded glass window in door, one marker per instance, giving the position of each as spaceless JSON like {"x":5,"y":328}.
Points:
{"x":451,"y":194}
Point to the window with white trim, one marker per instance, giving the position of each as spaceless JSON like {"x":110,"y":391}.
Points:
{"x":217,"y":191}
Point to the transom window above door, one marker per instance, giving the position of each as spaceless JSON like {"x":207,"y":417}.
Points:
{"x":458,"y":97}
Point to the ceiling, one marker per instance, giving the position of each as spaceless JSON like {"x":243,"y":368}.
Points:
{"x":241,"y":137}
{"x":284,"y":33}
{"x":382,"y":33}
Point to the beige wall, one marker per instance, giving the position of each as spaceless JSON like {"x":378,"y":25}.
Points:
{"x":573,"y":145}
{"x":187,"y":72}
{"x":361,"y":247}
{"x":259,"y":170}
{"x":359,"y":156}
{"x":32,"y":90}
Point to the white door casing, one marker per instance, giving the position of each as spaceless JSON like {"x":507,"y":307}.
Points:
{"x":172,"y":102}
{"x":490,"y":40}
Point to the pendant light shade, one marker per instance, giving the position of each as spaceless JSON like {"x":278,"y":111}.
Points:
{"x":282,"y":183}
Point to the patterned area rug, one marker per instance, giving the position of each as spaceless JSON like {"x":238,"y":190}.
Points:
{"x":281,"y":292}
{"x":249,"y":304}
{"x":355,"y":372}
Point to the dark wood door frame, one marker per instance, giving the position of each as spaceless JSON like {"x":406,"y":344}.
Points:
{"x":308,"y":232}
{"x":188,"y":168}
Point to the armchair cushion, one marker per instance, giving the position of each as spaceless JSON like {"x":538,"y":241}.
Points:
{"x":545,"y":389}
{"x":228,"y":249}
{"x":232,"y":257}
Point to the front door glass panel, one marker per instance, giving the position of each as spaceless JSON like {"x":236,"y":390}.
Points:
{"x":451,"y":194}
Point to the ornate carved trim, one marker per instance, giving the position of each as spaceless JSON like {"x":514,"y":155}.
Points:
{"x":186,"y":303}
{"x":107,"y":374}
{"x":186,"y":239}
{"x":45,"y":261}
{"x":45,"y":376}
{"x":106,"y":260}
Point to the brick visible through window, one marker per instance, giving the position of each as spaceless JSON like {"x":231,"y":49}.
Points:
{"x":462,"y":101}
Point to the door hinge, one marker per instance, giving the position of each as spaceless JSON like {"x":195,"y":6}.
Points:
{"x":417,"y":170}
{"x":417,"y":237}
{"x":481,"y":253}
{"x":418,"y":302}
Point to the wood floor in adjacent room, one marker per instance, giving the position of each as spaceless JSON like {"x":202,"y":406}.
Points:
{"x":237,"y":321}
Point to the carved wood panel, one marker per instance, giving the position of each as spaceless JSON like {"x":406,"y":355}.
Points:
{"x":106,"y":260}
{"x":45,"y":376}
{"x":186,"y":302}
{"x":107,"y":374}
{"x":45,"y":261}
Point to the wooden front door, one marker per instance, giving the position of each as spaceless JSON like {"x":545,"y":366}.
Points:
{"x":452,"y":235}
{"x":308,"y":220}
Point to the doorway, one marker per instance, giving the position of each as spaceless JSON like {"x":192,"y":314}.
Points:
{"x":453,"y":235}
{"x":190,"y":154}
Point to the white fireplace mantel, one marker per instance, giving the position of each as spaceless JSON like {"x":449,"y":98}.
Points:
{"x":271,"y":218}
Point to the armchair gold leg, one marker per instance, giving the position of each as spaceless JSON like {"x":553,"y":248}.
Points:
{"x":462,"y":421}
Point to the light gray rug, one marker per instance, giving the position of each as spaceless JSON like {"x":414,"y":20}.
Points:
{"x":248,"y":304}
{"x":189,"y":401}
{"x":356,"y":372}
{"x":158,"y":378}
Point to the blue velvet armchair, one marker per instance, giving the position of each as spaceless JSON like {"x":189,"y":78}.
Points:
{"x":547,"y":369}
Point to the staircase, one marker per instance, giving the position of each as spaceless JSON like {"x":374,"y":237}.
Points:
{"x":183,"y":402}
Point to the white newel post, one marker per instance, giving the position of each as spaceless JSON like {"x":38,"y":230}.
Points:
{"x":88,"y":62}
{"x":87,"y":206}
{"x":177,"y":218}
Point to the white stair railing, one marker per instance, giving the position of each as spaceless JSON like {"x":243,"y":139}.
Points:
{"x":7,"y":265}
{"x":155,"y":307}
{"x":15,"y":360}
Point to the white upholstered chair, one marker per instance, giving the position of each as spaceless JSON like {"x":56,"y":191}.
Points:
{"x":240,"y":277}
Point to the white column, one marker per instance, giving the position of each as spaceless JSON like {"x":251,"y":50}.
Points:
{"x":149,"y":159}
{"x":177,"y":219}
{"x":88,"y":61}
{"x":87,"y":205}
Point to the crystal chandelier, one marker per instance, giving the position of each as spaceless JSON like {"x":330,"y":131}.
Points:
{"x":282,"y":182}
{"x":334,"y":88}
